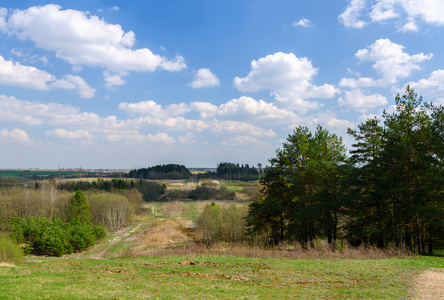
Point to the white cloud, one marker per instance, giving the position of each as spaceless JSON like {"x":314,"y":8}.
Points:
{"x":360,"y":82}
{"x":113,"y":8}
{"x":15,"y":74}
{"x":350,"y":17}
{"x":16,"y":135}
{"x":357,"y":100}
{"x":114,"y":79}
{"x":204,"y":78}
{"x":404,"y":12}
{"x":65,"y":134}
{"x":303,"y":23}
{"x":151,"y":108}
{"x":174,"y":65}
{"x":83,"y":39}
{"x":136,"y":137}
{"x":187,"y":139}
{"x":246,"y":108}
{"x":432,"y":86}
{"x":288,"y":77}
{"x":205,"y":109}
{"x":75,"y":82}
{"x":390,"y":61}
{"x":330,"y":121}
{"x":16,"y":110}
{"x":244,"y":140}
{"x":409,"y":26}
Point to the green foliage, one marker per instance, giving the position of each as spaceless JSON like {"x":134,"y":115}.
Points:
{"x":302,"y":192}
{"x":389,"y":192}
{"x":222,"y":223}
{"x":54,"y":237}
{"x":10,"y":252}
{"x":209,"y":191}
{"x":82,"y":235}
{"x":151,"y":191}
{"x":169,"y":171}
{"x":78,"y":209}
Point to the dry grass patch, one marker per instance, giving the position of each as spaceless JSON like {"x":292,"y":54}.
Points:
{"x":166,"y":232}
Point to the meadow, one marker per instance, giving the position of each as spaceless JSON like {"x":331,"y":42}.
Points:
{"x":156,"y":258}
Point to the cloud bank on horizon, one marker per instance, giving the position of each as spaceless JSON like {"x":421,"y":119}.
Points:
{"x":112,"y":85}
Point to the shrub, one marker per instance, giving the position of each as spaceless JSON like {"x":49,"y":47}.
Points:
{"x":10,"y":252}
{"x":226,"y":224}
{"x":54,"y":239}
{"x":81,"y":236}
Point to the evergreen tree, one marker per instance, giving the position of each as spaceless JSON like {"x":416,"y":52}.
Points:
{"x":78,"y":209}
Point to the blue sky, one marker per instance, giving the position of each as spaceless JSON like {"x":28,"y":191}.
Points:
{"x":120,"y":84}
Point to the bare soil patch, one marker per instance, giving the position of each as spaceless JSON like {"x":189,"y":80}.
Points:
{"x":430,"y":285}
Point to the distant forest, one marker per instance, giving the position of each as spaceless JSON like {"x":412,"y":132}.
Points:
{"x":169,"y":171}
{"x":231,"y":171}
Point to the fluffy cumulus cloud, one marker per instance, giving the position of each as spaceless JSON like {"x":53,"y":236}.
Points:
{"x":151,"y":108}
{"x":356,"y":99}
{"x":15,"y":135}
{"x":405,"y":12}
{"x":66,"y":134}
{"x":204,"y":78}
{"x":390,"y":61}
{"x":288,"y":77}
{"x":351,"y":16}
{"x":30,"y":113}
{"x":75,"y":82}
{"x":114,"y":79}
{"x":83,"y":39}
{"x":432,"y":86}
{"x":15,"y":74}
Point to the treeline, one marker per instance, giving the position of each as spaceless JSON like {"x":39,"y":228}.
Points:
{"x":151,"y":191}
{"x":231,"y":171}
{"x":390,"y":192}
{"x":110,"y":210}
{"x":54,"y":236}
{"x":169,"y":171}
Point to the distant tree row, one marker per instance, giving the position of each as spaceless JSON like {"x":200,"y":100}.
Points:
{"x":151,"y":191}
{"x":389,"y":192}
{"x":169,"y":171}
{"x":232,"y":171}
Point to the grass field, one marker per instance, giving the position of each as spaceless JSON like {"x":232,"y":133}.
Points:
{"x":127,"y":265}
{"x":218,"y":277}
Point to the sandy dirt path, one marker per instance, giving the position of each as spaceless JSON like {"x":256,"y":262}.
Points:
{"x":122,"y":234}
{"x":430,"y":285}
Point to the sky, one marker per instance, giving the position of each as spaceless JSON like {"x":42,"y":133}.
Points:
{"x":131,"y":84}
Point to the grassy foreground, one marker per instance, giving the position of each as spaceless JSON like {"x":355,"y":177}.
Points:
{"x":218,"y":277}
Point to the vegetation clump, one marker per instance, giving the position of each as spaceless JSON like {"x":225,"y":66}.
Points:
{"x":10,"y":252}
{"x":169,"y":171}
{"x":388,"y":193}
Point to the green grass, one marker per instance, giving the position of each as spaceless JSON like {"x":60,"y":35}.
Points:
{"x":189,"y":210}
{"x":218,"y":277}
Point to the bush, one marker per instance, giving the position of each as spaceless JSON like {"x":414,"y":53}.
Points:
{"x":54,"y":239}
{"x":10,"y":252}
{"x":82,"y":236}
{"x":225,"y":224}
